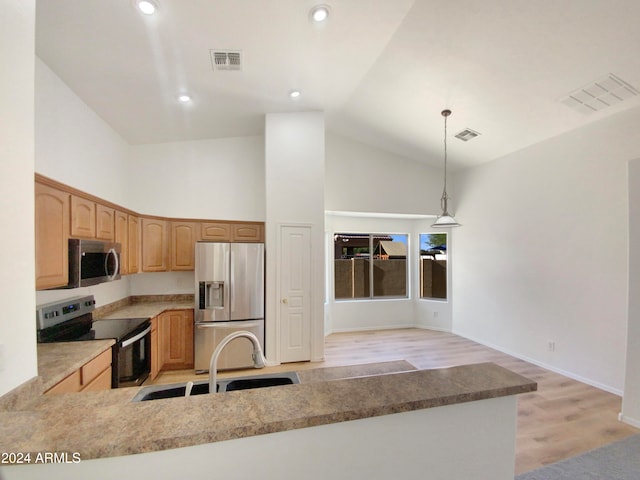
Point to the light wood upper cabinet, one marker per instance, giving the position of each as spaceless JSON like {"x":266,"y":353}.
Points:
{"x":122,"y":237}
{"x":176,"y":339}
{"x":213,"y":231}
{"x":133,"y":264}
{"x":246,"y":232}
{"x":51,"y":237}
{"x":105,"y":223}
{"x":155,"y":245}
{"x":183,"y":240}
{"x":83,"y":217}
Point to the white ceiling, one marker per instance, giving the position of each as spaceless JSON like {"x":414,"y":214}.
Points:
{"x":382,"y":70}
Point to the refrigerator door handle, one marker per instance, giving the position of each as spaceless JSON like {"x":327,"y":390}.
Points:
{"x":244,"y":324}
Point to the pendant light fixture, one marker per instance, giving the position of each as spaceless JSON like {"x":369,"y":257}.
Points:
{"x":445,"y":219}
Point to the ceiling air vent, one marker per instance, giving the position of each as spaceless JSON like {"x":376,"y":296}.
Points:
{"x":467,"y":134}
{"x":599,"y":95}
{"x":226,"y":59}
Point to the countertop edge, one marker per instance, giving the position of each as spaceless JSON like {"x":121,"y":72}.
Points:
{"x":126,"y":428}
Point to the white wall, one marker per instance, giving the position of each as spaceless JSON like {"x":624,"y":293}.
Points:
{"x":17,"y":275}
{"x":631,"y":400}
{"x":74,"y":145}
{"x":360,"y":178}
{"x":294,"y":184}
{"x":218,"y":179}
{"x":542,"y":255}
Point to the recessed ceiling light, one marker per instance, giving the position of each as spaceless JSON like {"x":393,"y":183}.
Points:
{"x":147,"y":7}
{"x":184,"y":98}
{"x":295,"y":93}
{"x":319,"y":13}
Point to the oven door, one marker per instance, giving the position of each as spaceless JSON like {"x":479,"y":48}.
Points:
{"x":132,"y":358}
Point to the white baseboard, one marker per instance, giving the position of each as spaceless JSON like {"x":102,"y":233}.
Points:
{"x":546,"y":366}
{"x":628,"y":420}
{"x":369,"y":328}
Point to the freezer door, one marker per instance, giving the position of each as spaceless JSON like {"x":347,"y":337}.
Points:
{"x":236,"y":354}
{"x":247,"y":281}
{"x":213,"y":283}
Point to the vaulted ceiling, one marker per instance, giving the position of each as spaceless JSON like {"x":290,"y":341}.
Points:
{"x":381,"y":70}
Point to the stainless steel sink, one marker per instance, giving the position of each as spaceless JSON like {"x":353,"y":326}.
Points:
{"x":156,"y":392}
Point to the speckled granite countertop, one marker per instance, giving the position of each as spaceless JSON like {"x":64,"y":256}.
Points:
{"x":105,"y":424}
{"x":140,"y":310}
{"x":58,"y":360}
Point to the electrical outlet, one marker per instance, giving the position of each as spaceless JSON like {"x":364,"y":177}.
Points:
{"x":551,"y":346}
{"x":435,"y":314}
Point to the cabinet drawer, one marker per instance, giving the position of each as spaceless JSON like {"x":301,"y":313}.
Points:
{"x":95,"y":367}
{"x":68,"y":385}
{"x":101,"y":382}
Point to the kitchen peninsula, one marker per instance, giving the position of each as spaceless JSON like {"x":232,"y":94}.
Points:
{"x":372,"y":424}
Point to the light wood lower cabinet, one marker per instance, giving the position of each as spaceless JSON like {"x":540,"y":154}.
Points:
{"x":175,"y":336}
{"x":51,"y":237}
{"x":156,"y":361}
{"x":92,"y":376}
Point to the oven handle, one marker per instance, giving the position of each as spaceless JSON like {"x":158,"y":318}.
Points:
{"x":128,"y":342}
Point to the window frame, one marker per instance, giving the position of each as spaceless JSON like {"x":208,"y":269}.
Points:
{"x":371,"y":269}
{"x":446,"y":269}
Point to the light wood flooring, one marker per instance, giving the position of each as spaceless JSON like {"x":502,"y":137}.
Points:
{"x":562,"y":419}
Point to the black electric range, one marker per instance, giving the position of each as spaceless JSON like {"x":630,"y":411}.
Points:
{"x":72,"y":320}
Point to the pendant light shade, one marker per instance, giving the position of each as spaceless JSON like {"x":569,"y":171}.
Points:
{"x":445,"y":219}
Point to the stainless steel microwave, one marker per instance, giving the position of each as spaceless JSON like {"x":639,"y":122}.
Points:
{"x":92,"y":262}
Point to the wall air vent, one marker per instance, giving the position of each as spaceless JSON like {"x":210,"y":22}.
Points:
{"x":467,"y":134}
{"x":599,"y":95}
{"x":226,"y":59}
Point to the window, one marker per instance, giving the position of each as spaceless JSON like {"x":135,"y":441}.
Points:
{"x":368,"y":265}
{"x":433,"y":265}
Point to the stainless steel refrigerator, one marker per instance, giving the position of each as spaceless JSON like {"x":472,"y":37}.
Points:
{"x":229,"y":291}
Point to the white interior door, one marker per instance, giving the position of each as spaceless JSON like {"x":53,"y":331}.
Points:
{"x":295,"y":293}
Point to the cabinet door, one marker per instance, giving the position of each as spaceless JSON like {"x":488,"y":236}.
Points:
{"x":214,"y":231}
{"x":155,"y":348}
{"x":245,"y":232}
{"x":105,"y":224}
{"x":176,"y":329}
{"x":83,"y":218}
{"x":51,"y":237}
{"x":155,"y":245}
{"x":183,"y":241}
{"x":134,"y":244}
{"x":121,"y":236}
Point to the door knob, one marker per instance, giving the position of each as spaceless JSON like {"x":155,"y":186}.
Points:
{"x":284,"y":300}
